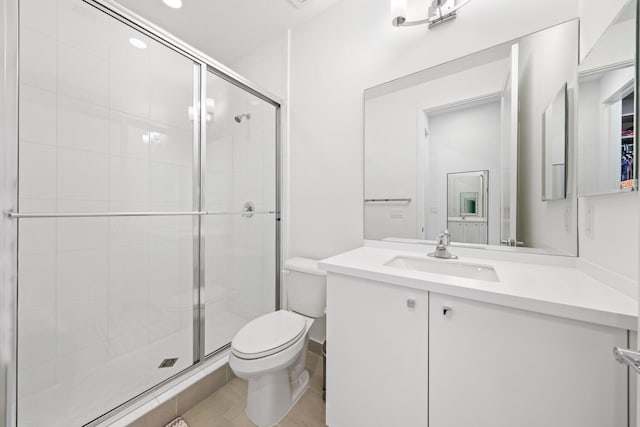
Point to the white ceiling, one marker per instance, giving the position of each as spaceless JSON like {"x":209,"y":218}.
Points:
{"x":227,"y":29}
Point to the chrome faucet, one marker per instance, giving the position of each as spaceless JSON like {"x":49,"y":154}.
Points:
{"x":444,"y":239}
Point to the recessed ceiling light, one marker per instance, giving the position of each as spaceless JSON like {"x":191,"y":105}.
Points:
{"x":176,"y":4}
{"x":137,"y":43}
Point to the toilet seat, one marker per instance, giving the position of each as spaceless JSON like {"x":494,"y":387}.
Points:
{"x":268,"y":334}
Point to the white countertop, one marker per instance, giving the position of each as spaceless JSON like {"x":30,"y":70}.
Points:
{"x":554,"y":288}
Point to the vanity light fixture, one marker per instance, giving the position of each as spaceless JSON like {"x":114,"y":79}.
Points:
{"x":137,"y":43}
{"x":176,"y":4}
{"x":439,"y":11}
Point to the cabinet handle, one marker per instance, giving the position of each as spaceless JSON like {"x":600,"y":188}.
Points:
{"x":446,"y":310}
{"x":411,"y":303}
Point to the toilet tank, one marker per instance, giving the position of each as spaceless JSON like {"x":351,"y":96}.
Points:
{"x":306,"y":287}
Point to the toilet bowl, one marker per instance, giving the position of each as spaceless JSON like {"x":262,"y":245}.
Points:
{"x":270,"y":351}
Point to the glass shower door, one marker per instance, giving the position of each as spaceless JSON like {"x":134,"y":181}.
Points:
{"x":239,"y":193}
{"x":105,"y":131}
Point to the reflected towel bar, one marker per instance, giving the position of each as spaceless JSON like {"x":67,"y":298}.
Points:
{"x":402,"y":200}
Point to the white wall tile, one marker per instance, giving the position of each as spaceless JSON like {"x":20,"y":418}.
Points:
{"x":82,"y":175}
{"x":126,"y":136}
{"x":66,"y":205}
{"x":128,"y":230}
{"x":268,"y":145}
{"x":37,"y":115}
{"x":129,"y":72}
{"x":39,"y":15}
{"x":128,"y":289}
{"x":82,"y":277}
{"x":37,"y":283}
{"x":220,"y":154}
{"x":76,"y":234}
{"x":38,"y":334}
{"x":171,"y":87}
{"x":83,"y":27}
{"x":82,"y":126}
{"x":128,"y":179}
{"x":80,"y":362}
{"x":175,"y":146}
{"x":165,"y":182}
{"x":82,"y":76}
{"x":36,"y":378}
{"x":81,"y":325}
{"x":37,"y":171}
{"x":130,"y":340}
{"x":164,"y":264}
{"x":37,"y":236}
{"x":37,"y":60}
{"x":219,"y":190}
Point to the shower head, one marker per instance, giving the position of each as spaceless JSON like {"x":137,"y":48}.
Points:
{"x":239,"y":117}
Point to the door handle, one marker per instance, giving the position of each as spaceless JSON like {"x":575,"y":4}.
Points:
{"x":627,"y":357}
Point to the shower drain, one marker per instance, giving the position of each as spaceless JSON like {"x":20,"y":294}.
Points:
{"x":168,"y":363}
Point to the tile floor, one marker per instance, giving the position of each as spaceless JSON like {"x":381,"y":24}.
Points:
{"x":225,"y":408}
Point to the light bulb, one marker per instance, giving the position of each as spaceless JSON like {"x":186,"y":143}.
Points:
{"x":176,"y":4}
{"x":137,"y":43}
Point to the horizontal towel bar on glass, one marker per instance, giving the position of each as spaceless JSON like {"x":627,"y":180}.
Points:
{"x":18,"y":215}
{"x":401,"y":200}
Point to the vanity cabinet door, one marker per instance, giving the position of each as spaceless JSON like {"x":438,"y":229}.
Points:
{"x":456,"y":231}
{"x":493,"y":366}
{"x":377,"y":361}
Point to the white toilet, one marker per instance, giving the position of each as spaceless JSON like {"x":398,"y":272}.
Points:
{"x":270,"y":351}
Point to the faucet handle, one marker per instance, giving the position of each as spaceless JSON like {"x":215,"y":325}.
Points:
{"x":446,"y":237}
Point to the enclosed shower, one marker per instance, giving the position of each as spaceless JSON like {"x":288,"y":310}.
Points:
{"x":136,"y":261}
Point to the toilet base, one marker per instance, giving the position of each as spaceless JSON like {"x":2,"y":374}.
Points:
{"x":271,"y":396}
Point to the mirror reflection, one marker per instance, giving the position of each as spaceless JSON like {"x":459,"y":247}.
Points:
{"x":606,"y":110}
{"x":466,"y":206}
{"x":554,"y":122}
{"x":434,"y":138}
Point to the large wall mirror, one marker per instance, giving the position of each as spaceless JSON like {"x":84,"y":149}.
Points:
{"x":462,"y":146}
{"x":606,"y":110}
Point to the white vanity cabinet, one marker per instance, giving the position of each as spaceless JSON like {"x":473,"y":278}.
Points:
{"x":377,"y":361}
{"x":494,"y":366}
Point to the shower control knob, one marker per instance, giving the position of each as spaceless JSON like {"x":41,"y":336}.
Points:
{"x":248,"y":209}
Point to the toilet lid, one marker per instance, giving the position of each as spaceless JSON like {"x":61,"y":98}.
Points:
{"x":268,"y":334}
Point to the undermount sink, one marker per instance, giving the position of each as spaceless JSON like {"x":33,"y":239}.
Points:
{"x":446,"y":267}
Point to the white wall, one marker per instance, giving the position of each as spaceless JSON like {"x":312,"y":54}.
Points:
{"x":546,"y":63}
{"x":336,"y":56}
{"x":267,"y":65}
